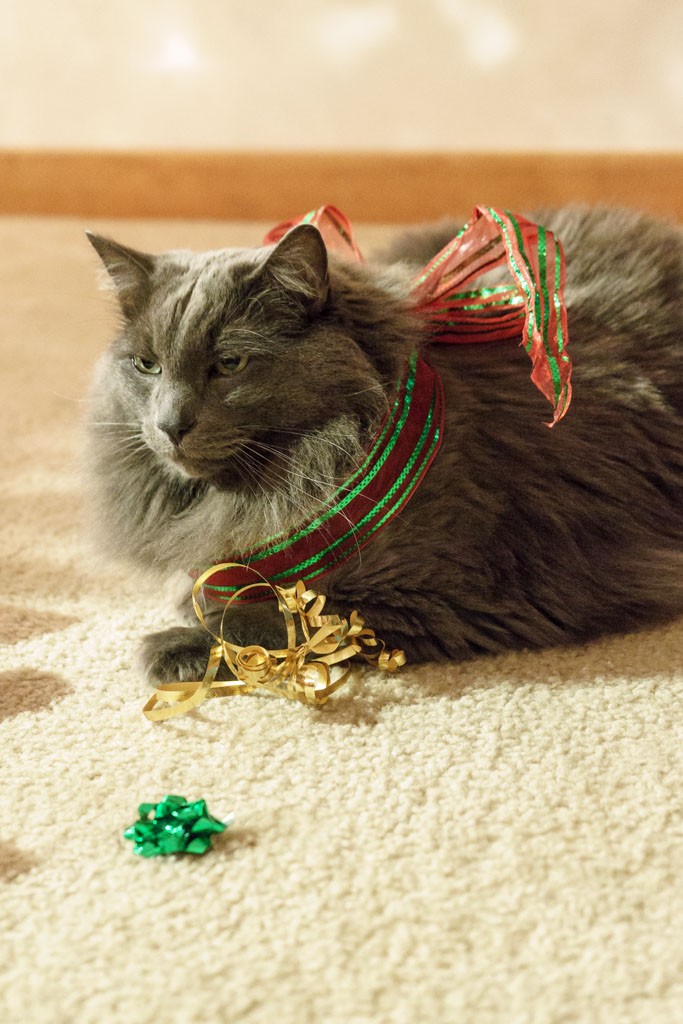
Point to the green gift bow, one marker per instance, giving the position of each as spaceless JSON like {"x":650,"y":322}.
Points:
{"x":178,"y":826}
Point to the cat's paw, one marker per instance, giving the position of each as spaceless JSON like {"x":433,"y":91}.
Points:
{"x":176,"y":654}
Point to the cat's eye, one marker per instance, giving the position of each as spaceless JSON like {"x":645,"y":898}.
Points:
{"x":145,"y":365}
{"x":228,"y":365}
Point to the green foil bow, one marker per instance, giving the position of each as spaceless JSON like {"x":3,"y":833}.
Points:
{"x":177,"y":826}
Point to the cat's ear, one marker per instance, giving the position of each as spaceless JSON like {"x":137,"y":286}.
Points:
{"x":298,"y":263}
{"x":130,"y":271}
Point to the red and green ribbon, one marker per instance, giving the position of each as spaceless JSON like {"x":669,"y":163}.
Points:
{"x":528,"y":308}
{"x":400,"y":456}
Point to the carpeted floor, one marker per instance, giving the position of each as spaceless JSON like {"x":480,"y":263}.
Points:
{"x":499,"y":843}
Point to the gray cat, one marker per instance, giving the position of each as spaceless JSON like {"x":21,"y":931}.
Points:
{"x":245,"y":385}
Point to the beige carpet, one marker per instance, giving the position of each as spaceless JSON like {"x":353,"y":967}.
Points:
{"x":500,"y":842}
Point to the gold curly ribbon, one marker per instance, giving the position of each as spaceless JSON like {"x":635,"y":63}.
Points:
{"x":309,"y":672}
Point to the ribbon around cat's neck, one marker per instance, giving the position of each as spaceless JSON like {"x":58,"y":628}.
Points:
{"x":530,"y":309}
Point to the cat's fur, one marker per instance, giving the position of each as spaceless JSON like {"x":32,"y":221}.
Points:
{"x":519,"y":536}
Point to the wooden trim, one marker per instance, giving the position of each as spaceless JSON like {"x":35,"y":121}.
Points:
{"x":372,"y":187}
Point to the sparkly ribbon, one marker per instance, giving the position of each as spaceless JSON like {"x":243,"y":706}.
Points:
{"x":404,"y":449}
{"x":308,"y":672}
{"x":530,"y":309}
{"x":334,"y":227}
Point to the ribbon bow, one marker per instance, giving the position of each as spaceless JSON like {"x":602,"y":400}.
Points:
{"x":530,"y":309}
{"x":174,"y":825}
{"x":309,"y":672}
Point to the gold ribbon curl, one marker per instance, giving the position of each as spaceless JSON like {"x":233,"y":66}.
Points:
{"x":309,"y":672}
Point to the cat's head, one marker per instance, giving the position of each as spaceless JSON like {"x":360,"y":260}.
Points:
{"x":228,"y":362}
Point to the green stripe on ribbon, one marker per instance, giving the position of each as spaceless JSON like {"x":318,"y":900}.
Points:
{"x":476,"y":293}
{"x":556,"y":298}
{"x":398,"y":503}
{"x":405,"y":472}
{"x":516,"y":270}
{"x":535,"y":312}
{"x":542,"y":271}
{"x":443,"y":256}
{"x":333,"y":510}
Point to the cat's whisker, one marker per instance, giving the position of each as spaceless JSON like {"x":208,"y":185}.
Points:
{"x":363,"y":391}
{"x":278,"y":478}
{"x":308,"y":508}
{"x":121,"y":443}
{"x":282,"y":511}
{"x":325,"y":500}
{"x":319,"y":438}
{"x":126,"y":444}
{"x":321,"y":499}
{"x":121,"y":436}
{"x":354,"y":458}
{"x":325,"y":481}
{"x":254,"y":478}
{"x":122,"y":446}
{"x":117,"y":428}
{"x":120,"y":431}
{"x":290,"y":479}
{"x":131,"y":456}
{"x":274,"y":474}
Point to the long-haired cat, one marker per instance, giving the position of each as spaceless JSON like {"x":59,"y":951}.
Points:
{"x":245,"y":385}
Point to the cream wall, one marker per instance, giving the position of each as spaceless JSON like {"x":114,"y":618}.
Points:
{"x":342,"y":74}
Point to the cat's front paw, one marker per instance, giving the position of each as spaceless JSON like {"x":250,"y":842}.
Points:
{"x":176,"y":654}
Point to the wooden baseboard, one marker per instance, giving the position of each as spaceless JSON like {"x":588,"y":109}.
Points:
{"x":371,"y":187}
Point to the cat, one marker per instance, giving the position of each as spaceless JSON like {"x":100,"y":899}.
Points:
{"x":245,"y":385}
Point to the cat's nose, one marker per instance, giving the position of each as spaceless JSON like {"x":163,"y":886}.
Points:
{"x":176,"y":429}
